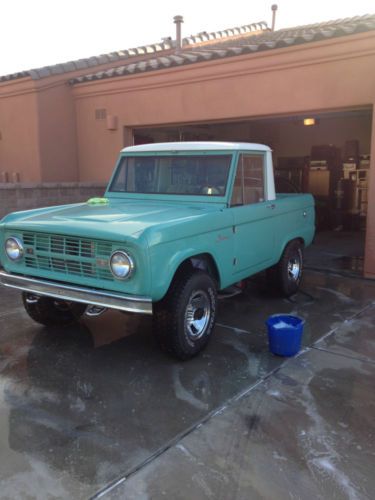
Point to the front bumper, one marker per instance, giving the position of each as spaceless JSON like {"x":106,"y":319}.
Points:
{"x":89,"y":296}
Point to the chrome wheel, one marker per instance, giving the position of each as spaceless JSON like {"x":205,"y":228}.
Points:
{"x":294,"y":268}
{"x":184,"y":320}
{"x":198,"y":314}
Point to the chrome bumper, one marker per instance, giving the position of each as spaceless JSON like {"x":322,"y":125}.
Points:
{"x":77,"y":294}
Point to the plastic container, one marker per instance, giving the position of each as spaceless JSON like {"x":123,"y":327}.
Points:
{"x":284,"y":334}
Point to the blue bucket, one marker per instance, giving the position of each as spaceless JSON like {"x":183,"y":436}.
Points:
{"x":284,"y":334}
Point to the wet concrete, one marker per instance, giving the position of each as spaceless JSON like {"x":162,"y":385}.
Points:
{"x":337,"y":251}
{"x":307,"y":432}
{"x":355,"y":338}
{"x":84,"y":406}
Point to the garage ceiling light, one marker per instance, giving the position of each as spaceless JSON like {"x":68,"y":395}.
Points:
{"x":309,"y":121}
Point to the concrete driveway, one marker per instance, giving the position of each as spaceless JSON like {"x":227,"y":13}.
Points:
{"x":96,"y":410}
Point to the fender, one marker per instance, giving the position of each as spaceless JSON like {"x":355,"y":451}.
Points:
{"x":164,"y":272}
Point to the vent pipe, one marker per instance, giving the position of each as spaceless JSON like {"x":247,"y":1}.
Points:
{"x":178,"y":20}
{"x":274,"y":9}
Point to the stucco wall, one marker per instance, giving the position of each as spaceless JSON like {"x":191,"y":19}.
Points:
{"x":57,"y":128}
{"x":98,"y":147}
{"x":19,"y":134}
{"x":38,"y":134}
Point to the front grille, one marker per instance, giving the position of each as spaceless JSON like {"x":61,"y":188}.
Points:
{"x":68,"y":255}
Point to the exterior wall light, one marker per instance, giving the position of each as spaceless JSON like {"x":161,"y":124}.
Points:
{"x":112,"y":122}
{"x":309,"y":121}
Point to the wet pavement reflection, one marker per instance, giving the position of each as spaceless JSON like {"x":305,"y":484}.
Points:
{"x":84,"y":405}
{"x":337,"y":251}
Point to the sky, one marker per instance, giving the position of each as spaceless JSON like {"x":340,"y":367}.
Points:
{"x":35,"y":33}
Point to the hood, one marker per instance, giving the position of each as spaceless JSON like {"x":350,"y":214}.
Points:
{"x":125,"y":218}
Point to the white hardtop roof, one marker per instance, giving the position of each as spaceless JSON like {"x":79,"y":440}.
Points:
{"x":195,"y":146}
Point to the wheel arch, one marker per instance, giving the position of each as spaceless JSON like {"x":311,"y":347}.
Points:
{"x":202,"y":261}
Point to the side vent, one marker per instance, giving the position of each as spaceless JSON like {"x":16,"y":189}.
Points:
{"x":100,"y":114}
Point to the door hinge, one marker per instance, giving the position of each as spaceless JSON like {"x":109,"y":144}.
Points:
{"x":234,"y":261}
{"x":234,"y":229}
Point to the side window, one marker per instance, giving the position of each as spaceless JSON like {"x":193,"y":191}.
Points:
{"x":253,"y":172}
{"x":248,"y":185}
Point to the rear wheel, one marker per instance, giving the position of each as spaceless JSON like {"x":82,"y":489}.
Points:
{"x":49,"y":311}
{"x":286,"y":276}
{"x":184,"y":319}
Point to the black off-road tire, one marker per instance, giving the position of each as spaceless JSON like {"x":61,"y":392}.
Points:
{"x":51,"y":312}
{"x":286,"y":275}
{"x":174,"y":323}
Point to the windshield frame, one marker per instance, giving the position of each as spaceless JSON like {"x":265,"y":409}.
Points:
{"x":222,"y":199}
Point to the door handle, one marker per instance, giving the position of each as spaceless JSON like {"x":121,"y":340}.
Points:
{"x":272,"y":206}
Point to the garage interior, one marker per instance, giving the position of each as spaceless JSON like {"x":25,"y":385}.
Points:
{"x":326,"y":154}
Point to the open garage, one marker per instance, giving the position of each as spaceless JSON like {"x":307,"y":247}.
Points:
{"x":326,"y":154}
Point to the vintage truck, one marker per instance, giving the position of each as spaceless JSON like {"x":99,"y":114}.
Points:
{"x":178,"y":223}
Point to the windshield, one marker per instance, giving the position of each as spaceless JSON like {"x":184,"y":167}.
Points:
{"x":186,"y":175}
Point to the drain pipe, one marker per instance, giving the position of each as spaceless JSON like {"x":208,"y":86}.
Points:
{"x":178,"y":20}
{"x":274,"y":9}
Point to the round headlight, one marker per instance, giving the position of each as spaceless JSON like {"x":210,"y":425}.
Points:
{"x":121,"y":265}
{"x":14,"y":248}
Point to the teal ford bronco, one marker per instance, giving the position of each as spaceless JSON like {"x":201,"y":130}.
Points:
{"x":179,"y":222}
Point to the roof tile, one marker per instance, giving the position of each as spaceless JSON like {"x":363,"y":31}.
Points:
{"x":130,"y":68}
{"x":103,"y":59}
{"x":165,"y":61}
{"x":81,"y":64}
{"x":68,"y":66}
{"x":56,"y":69}
{"x":41,"y":72}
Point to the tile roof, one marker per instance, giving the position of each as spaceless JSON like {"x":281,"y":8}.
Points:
{"x":239,"y":41}
{"x":90,"y":62}
{"x":166,"y":45}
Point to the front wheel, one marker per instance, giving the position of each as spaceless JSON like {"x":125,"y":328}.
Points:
{"x":286,"y":276}
{"x":49,"y":311}
{"x":184,"y":319}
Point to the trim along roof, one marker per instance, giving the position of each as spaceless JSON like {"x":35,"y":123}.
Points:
{"x":195,"y":146}
{"x":206,"y":47}
{"x":166,"y":45}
